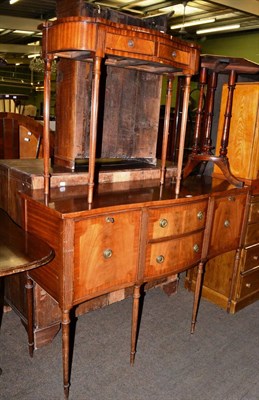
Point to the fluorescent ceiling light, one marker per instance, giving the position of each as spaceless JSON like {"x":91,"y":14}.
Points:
{"x":193,"y":23}
{"x":23,"y":32}
{"x":13,"y":1}
{"x":218,"y":29}
{"x":33,"y":55}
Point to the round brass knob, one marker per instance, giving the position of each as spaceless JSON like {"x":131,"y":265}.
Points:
{"x":227,"y":223}
{"x":196,"y":248}
{"x":200,"y":215}
{"x":160,"y":259}
{"x":110,"y":219}
{"x":131,"y":43}
{"x":163,"y":223}
{"x":174,"y":54}
{"x":107,"y":253}
{"x":248,"y":285}
{"x":231,"y":198}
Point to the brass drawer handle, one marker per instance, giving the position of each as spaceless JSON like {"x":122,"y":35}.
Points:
{"x":255,"y":258}
{"x":107,"y":253}
{"x":163,"y":223}
{"x":231,"y":198}
{"x":200,"y":215}
{"x":227,"y":223}
{"x":174,"y":54}
{"x":196,"y":248}
{"x":160,"y":259}
{"x":110,"y":219}
{"x":248,"y":285}
{"x":131,"y":43}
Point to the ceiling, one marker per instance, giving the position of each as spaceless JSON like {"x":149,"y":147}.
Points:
{"x":26,"y":15}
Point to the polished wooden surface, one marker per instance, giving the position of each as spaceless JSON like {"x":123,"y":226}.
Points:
{"x":132,"y":233}
{"x":243,"y":149}
{"x":19,"y":250}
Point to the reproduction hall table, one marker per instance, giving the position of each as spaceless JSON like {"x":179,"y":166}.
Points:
{"x":21,"y":251}
{"x":104,"y":43}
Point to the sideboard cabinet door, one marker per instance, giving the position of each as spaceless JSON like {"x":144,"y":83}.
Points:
{"x":106,"y":253}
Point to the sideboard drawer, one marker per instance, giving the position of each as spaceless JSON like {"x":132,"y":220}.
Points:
{"x":172,"y":256}
{"x":106,"y":253}
{"x":171,"y":54}
{"x":129,"y":44}
{"x":250,"y":258}
{"x":249,"y":284}
{"x":176,"y":220}
{"x":252,"y":234}
{"x":254,"y":213}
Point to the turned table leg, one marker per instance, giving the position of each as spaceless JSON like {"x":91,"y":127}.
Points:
{"x":134,"y":325}
{"x":197,"y":295}
{"x":65,"y":350}
{"x":29,"y":298}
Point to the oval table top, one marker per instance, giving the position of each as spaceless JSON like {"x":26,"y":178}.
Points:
{"x":19,"y":250}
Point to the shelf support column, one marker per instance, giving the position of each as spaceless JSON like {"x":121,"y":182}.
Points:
{"x":93,"y":125}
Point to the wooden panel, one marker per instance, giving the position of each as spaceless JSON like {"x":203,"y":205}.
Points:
{"x":131,"y":113}
{"x":178,"y":220}
{"x":227,"y":222}
{"x":243,"y":149}
{"x":172,"y":256}
{"x":28,"y":144}
{"x":96,"y":272}
{"x":250,"y":258}
{"x":41,"y":222}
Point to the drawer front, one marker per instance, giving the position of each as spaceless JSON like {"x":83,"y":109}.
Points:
{"x":106,"y":253}
{"x":254,"y":213}
{"x":176,"y":220}
{"x":173,"y":256}
{"x":129,"y":44}
{"x":173,"y":55}
{"x":250,"y":257}
{"x":249,"y":284}
{"x":227,"y":224}
{"x":252,"y":234}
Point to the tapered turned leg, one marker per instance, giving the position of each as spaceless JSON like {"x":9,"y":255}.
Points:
{"x":65,"y":351}
{"x":29,"y":298}
{"x":234,"y":276}
{"x":197,"y":295}
{"x":134,"y":324}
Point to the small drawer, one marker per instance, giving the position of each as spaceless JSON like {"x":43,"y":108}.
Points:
{"x":249,"y":284}
{"x":129,"y":44}
{"x":173,"y":256}
{"x":250,"y":258}
{"x":252,"y":234}
{"x":176,"y":220}
{"x":175,"y":55}
{"x":254,"y":213}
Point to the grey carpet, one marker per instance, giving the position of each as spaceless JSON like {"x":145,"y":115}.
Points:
{"x":219,"y":362}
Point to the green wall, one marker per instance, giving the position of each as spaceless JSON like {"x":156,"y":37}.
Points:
{"x":244,"y":45}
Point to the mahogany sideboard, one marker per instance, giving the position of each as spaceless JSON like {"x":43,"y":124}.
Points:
{"x":133,"y":232}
